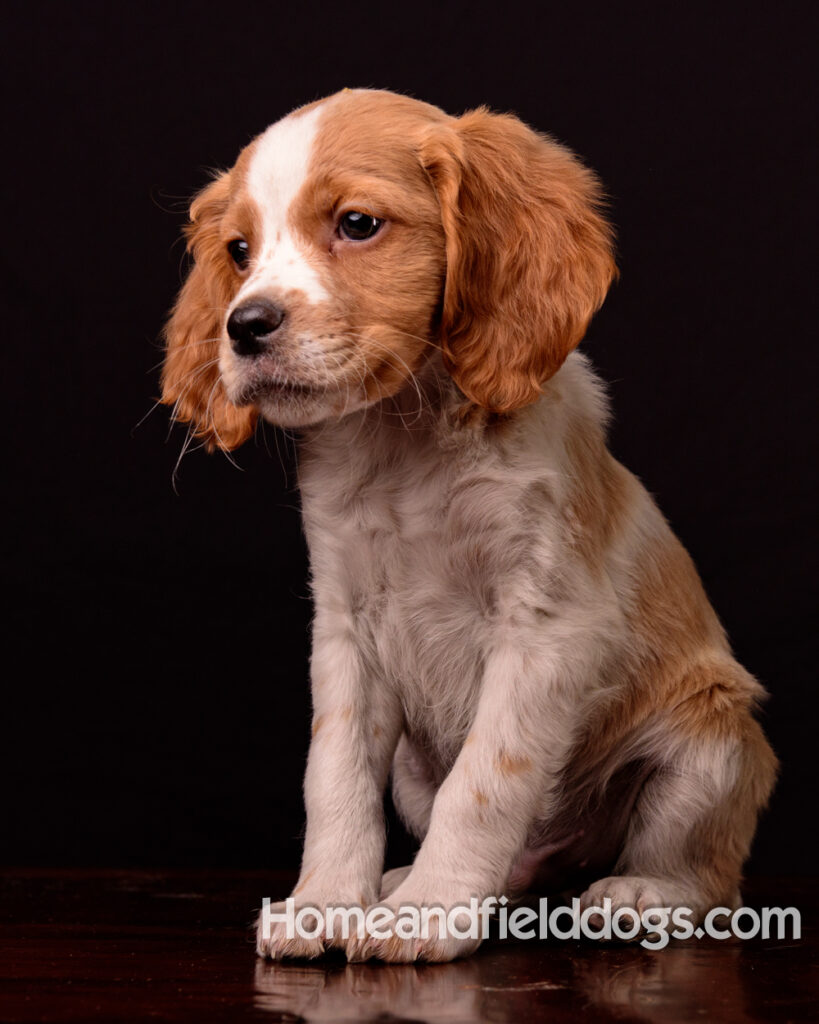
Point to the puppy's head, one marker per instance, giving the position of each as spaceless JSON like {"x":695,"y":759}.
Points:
{"x":359,"y":235}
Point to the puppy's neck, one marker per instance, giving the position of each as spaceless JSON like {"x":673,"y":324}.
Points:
{"x":429,"y":410}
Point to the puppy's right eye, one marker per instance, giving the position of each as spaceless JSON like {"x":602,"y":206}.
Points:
{"x":239,"y":252}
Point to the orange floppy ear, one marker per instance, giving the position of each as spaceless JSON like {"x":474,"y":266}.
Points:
{"x":529,"y":256}
{"x":191,"y":381}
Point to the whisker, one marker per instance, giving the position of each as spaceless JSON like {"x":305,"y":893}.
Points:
{"x":410,"y":376}
{"x":190,"y":378}
{"x":189,"y":344}
{"x":213,"y":427}
{"x":189,"y":435}
{"x":154,"y":406}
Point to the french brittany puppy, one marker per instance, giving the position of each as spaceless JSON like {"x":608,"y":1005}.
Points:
{"x":504,"y":621}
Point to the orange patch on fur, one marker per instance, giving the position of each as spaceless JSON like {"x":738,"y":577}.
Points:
{"x":517,"y":208}
{"x":509,"y":765}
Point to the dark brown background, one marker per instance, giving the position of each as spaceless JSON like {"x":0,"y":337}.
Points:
{"x":155,"y":703}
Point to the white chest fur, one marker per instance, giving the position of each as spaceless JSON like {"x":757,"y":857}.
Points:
{"x":431,"y":535}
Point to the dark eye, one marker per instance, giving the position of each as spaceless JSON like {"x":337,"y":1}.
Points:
{"x":357,"y":226}
{"x":239,"y":252}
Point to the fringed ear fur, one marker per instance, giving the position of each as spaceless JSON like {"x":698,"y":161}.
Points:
{"x":191,"y":382}
{"x":529,"y":255}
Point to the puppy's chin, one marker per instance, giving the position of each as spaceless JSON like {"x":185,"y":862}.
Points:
{"x":295,"y":411}
{"x":288,"y":404}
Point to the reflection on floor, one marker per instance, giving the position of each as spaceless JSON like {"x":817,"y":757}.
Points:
{"x":174,"y":946}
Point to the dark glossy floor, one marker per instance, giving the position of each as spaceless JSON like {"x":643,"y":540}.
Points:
{"x":156,"y":946}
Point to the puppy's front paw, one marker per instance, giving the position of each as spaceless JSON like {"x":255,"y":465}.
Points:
{"x":410,"y":935}
{"x":275,"y":941}
{"x":306,"y":930}
{"x":432,"y":949}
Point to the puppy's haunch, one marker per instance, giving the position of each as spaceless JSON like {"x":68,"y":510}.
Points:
{"x":504,"y":620}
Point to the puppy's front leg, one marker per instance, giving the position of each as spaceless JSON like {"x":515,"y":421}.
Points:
{"x":355,"y":732}
{"x":502,"y":779}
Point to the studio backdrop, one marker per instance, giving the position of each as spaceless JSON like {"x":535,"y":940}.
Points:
{"x":155,"y":695}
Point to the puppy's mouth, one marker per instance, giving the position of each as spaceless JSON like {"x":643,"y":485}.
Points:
{"x":275,"y":387}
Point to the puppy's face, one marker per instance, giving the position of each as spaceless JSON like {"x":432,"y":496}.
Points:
{"x":362,"y":233}
{"x":333,"y":251}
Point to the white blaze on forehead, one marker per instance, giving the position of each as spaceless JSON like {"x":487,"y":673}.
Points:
{"x":276,"y":173}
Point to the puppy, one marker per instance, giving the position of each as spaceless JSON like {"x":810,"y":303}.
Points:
{"x":503,"y":619}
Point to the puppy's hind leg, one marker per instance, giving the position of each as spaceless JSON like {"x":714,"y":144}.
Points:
{"x":691,"y":828}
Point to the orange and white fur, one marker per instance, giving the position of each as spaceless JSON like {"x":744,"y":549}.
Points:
{"x":503,"y":619}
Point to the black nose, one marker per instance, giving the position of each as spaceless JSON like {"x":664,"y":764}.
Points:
{"x":251,"y":326}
